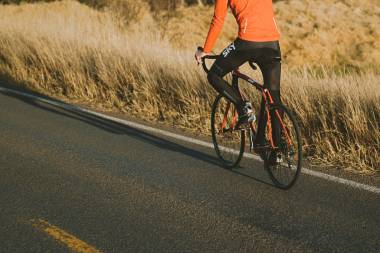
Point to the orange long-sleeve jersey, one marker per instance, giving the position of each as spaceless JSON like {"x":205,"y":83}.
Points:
{"x":255,"y":18}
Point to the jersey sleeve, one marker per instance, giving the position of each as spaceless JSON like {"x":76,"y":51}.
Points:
{"x":221,"y":7}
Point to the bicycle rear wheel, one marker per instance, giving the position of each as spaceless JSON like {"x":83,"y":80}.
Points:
{"x":228,"y":143}
{"x":288,"y":153}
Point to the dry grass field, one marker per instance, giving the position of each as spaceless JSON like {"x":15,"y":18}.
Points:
{"x":141,"y":63}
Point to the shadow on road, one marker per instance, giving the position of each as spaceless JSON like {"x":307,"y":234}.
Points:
{"x":117,"y":128}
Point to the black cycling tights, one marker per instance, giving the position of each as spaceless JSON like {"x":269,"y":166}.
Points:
{"x":267,"y":56}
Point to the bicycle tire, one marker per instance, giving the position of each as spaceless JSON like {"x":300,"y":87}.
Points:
{"x":229,"y":144}
{"x":286,"y":151}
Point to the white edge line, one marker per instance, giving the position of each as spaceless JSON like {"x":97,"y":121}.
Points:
{"x":187,"y":139}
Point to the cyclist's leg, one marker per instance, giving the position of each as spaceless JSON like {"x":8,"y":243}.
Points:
{"x":231,"y":58}
{"x":270,"y":65}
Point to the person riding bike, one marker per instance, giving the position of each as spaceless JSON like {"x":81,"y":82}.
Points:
{"x":257,"y":41}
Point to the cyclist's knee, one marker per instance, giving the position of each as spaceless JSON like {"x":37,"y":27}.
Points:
{"x":211,"y":77}
{"x":217,"y":70}
{"x":216,"y":81}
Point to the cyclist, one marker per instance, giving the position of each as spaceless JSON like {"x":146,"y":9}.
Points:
{"x":257,"y":41}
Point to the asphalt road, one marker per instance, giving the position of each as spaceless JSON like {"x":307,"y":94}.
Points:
{"x":119,"y":189}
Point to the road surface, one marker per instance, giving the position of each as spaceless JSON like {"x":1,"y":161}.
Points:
{"x":70,"y":180}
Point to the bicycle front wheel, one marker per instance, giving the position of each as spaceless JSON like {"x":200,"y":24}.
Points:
{"x":284,"y":162}
{"x":228,"y":143}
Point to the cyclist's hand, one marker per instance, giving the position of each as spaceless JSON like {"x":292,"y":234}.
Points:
{"x":199,"y":54}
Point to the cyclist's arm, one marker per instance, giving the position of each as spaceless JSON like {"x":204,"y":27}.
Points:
{"x":220,"y":12}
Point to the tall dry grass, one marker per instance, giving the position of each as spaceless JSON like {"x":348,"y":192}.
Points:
{"x":69,"y":50}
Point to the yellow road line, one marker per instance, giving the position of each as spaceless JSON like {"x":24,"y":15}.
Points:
{"x":60,"y":235}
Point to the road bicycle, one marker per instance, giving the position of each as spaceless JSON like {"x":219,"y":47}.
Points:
{"x":230,"y":142}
